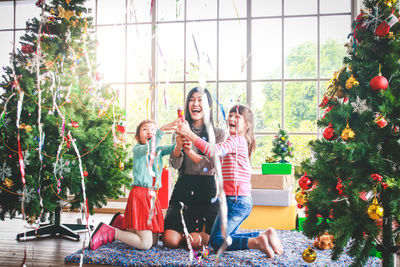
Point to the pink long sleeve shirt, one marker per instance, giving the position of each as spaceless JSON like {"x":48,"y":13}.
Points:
{"x":236,"y":169}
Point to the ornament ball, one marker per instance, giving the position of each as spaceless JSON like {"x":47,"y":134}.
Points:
{"x":375,"y":211}
{"x":309,"y":255}
{"x":379,"y":83}
{"x":305,"y":182}
{"x":348,"y":134}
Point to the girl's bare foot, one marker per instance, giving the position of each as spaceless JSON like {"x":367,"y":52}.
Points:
{"x":261,"y":243}
{"x":273,"y":240}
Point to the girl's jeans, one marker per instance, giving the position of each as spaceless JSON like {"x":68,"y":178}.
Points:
{"x":238,"y":211}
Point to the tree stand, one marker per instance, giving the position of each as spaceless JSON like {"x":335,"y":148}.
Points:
{"x":67,"y":230}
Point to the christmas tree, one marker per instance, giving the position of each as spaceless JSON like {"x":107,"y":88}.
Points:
{"x":62,"y":135}
{"x":353,"y":175}
{"x":281,"y":147}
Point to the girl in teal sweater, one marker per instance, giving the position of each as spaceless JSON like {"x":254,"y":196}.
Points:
{"x":143,"y":220}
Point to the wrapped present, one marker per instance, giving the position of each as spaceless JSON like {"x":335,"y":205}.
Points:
{"x":276,"y":168}
{"x":266,"y":181}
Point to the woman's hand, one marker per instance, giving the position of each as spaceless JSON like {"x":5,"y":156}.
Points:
{"x":178,"y":146}
{"x":170,"y":126}
{"x":180,"y":141}
{"x":187,"y":146}
{"x":184,"y":128}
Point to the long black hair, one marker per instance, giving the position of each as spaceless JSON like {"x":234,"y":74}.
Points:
{"x":203,"y":133}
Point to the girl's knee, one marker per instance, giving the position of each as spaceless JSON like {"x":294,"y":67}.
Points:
{"x":146,"y":244}
{"x":171,"y":239}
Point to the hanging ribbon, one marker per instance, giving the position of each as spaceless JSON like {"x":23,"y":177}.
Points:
{"x":39,"y":93}
{"x":220,"y":193}
{"x":187,"y":236}
{"x":86,"y":212}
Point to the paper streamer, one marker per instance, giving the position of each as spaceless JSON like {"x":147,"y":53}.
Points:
{"x":39,"y":94}
{"x":3,"y":113}
{"x":236,"y":10}
{"x":113,"y":125}
{"x":82,"y":179}
{"x":150,"y":163}
{"x":220,"y":192}
{"x":20,"y":156}
{"x":187,"y":236}
{"x":218,"y":176}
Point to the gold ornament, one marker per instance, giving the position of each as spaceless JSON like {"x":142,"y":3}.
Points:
{"x":391,"y":35}
{"x":270,"y":159}
{"x":309,"y":255}
{"x":67,"y":14}
{"x":8,"y":182}
{"x":390,"y":3}
{"x":68,"y":1}
{"x":121,"y":166}
{"x":301,"y":197}
{"x":351,"y":81}
{"x":348,"y":134}
{"x":375,"y":211}
{"x":333,"y":84}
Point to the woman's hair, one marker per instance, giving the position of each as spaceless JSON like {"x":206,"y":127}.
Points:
{"x":248,"y":117}
{"x":187,"y":113}
{"x":143,"y":122}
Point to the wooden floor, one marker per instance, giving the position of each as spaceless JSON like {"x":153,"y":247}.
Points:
{"x":45,"y":251}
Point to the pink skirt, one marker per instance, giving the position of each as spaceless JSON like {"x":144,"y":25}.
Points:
{"x":137,"y":211}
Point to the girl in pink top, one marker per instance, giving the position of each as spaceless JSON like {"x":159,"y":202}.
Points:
{"x":236,"y":173}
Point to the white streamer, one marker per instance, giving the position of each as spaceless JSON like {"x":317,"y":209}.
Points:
{"x":219,"y":182}
{"x":82,"y":179}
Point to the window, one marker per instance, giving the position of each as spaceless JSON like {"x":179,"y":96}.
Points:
{"x":274,"y":55}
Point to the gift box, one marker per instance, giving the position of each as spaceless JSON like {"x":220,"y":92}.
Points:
{"x":263,"y":217}
{"x":164,"y":193}
{"x":276,"y":168}
{"x":266,"y":181}
{"x":272,"y":197}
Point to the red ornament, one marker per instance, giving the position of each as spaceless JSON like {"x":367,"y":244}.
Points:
{"x":384,"y":28}
{"x":121,"y":129}
{"x":376,"y":177}
{"x":380,"y":120}
{"x":379,"y":83}
{"x":68,"y":141}
{"x":85,"y":173}
{"x":339,"y":186}
{"x":329,"y":133}
{"x":305,"y":182}
{"x":27,"y":49}
{"x":74,"y":124}
{"x":299,"y":206}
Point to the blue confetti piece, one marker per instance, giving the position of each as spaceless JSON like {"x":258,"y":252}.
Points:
{"x":204,"y":138}
{"x":205,"y":170}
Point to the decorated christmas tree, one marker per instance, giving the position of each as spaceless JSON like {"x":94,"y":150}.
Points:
{"x":352,"y":179}
{"x":62,"y":136}
{"x":281,"y":147}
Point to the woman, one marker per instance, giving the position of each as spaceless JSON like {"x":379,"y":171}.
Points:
{"x":195,"y":186}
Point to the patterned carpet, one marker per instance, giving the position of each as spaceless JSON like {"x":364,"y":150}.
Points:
{"x":294,"y":243}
